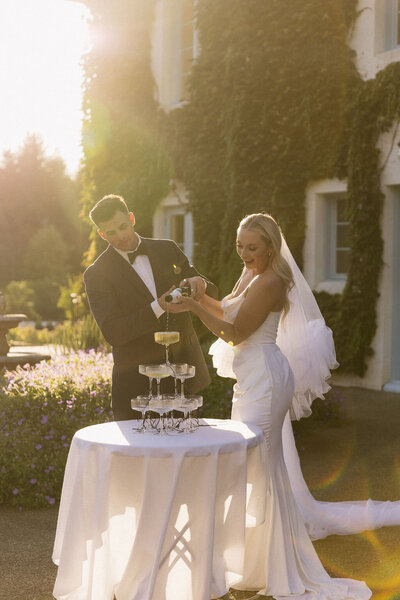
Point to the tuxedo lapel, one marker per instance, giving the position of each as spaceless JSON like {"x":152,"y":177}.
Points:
{"x":125,"y":271}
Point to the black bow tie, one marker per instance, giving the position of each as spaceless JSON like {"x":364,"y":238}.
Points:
{"x":141,"y":250}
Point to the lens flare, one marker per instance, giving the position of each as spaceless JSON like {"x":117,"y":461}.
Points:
{"x":336,"y":473}
{"x":380,"y":570}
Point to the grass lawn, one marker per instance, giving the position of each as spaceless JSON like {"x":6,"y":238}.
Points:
{"x":356,"y":460}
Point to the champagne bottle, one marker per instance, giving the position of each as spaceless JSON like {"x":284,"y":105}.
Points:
{"x":177,"y":294}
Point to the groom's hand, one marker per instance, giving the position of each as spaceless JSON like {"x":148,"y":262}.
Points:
{"x":197,"y":285}
{"x":161,"y":300}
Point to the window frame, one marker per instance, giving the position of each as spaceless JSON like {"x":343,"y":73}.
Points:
{"x":391,"y":25}
{"x":331,"y":230}
{"x":187,"y":245}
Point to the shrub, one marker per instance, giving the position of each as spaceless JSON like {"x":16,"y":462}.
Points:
{"x":80,"y":335}
{"x":217,"y":397}
{"x":41,"y":407}
{"x":20,"y":298}
{"x":30,"y":335}
{"x":69,"y":335}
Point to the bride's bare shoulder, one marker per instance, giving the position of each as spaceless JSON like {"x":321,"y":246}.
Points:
{"x":269,"y":279}
{"x":267,"y":284}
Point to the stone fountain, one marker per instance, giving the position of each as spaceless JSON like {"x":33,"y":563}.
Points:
{"x":12,"y":357}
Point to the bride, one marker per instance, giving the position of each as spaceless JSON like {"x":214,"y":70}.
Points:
{"x":274,"y":342}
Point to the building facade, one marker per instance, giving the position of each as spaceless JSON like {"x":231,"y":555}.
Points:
{"x":376,"y":42}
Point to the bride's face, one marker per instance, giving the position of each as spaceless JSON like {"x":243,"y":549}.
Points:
{"x":253,"y":250}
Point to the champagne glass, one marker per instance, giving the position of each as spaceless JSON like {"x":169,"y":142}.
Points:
{"x":187,"y":405}
{"x":169,"y":421}
{"x":161,"y":405}
{"x":158,"y":372}
{"x":143,"y":371}
{"x":166,"y":338}
{"x":186,"y":374}
{"x":140,"y":403}
{"x":195,"y":418}
{"x":178,"y":369}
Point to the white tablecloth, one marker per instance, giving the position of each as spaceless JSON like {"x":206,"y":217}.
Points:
{"x":150,"y":517}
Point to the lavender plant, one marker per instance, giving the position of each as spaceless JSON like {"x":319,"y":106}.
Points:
{"x":41,"y":407}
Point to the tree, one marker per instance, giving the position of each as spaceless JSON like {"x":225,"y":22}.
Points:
{"x":123,"y":153}
{"x":47,"y":255}
{"x":36,"y":192}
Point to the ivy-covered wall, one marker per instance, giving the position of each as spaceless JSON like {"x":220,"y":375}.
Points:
{"x":269,"y":93}
{"x":277,"y":102}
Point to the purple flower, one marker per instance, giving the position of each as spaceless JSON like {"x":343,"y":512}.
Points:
{"x":45,"y":418}
{"x":38,"y":446}
{"x":33,"y":481}
{"x":15,"y":491}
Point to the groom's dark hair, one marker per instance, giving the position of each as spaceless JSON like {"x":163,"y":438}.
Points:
{"x":106,"y":208}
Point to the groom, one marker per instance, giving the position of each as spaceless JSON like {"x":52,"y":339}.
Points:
{"x":126,"y":288}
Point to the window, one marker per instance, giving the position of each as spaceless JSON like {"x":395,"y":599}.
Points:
{"x":338,"y":237}
{"x":174,"y":48}
{"x":388,"y":15}
{"x":177,"y":229}
{"x":398,"y":23}
{"x":177,"y":224}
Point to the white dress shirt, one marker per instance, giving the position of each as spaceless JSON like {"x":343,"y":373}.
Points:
{"x":142,"y":266}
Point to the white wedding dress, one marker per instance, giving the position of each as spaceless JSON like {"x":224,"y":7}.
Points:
{"x":280,"y":559}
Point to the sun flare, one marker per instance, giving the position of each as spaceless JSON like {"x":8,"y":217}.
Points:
{"x":41,"y":45}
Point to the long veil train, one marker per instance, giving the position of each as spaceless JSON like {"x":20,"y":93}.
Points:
{"x":328,"y":518}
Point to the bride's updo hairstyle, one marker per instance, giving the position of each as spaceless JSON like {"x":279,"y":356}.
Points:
{"x":270,"y":232}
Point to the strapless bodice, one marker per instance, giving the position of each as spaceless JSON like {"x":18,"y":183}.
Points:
{"x":265,"y":334}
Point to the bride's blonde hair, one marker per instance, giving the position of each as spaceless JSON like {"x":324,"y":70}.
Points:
{"x":270,"y":231}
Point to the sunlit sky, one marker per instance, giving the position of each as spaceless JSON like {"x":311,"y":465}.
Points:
{"x":41,"y":43}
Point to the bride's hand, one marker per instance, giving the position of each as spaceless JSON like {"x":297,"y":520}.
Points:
{"x":185,"y":304}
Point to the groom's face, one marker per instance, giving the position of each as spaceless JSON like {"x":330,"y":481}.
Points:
{"x":119,"y":231}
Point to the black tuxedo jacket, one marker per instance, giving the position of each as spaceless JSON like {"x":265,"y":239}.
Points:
{"x":120,"y":303}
